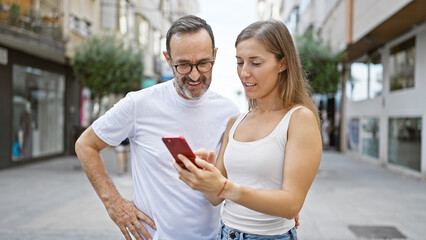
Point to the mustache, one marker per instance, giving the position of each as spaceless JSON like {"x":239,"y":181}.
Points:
{"x":188,"y":79}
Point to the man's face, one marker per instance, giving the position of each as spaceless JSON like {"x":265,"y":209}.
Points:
{"x":191,"y":48}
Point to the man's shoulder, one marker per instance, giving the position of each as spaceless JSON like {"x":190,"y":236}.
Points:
{"x":150,"y":92}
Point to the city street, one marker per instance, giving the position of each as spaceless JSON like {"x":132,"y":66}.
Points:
{"x":350,"y":199}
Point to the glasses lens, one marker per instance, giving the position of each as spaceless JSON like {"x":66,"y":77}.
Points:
{"x":204,"y":67}
{"x":183,"y":68}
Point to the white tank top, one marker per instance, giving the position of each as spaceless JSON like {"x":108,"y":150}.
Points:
{"x":259,"y":165}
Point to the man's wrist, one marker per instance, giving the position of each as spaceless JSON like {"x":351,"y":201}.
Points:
{"x":110,"y":198}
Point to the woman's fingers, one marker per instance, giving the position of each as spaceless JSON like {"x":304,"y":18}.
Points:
{"x":201,"y":153}
{"x":211,"y":157}
{"x":204,"y":164}
{"x":188,"y":163}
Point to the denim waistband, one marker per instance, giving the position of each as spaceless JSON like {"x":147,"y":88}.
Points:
{"x":226,"y":233}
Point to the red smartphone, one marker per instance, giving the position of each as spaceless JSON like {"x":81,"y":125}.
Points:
{"x":178,"y":145}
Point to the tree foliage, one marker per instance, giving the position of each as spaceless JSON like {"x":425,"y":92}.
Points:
{"x":319,"y":63}
{"x":105,"y":66}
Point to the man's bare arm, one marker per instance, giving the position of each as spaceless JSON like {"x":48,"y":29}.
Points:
{"x":122,"y":211}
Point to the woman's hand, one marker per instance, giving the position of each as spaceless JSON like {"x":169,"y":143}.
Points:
{"x":206,"y":177}
{"x":206,"y":155}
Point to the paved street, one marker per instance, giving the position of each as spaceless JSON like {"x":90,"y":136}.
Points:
{"x":54,"y":200}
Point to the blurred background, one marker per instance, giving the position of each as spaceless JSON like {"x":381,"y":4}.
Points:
{"x":363,"y":59}
{"x":63,"y":63}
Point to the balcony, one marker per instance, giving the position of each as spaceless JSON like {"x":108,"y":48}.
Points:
{"x":34,"y":29}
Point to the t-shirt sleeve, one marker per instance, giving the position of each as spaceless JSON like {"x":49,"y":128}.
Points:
{"x":117,"y":123}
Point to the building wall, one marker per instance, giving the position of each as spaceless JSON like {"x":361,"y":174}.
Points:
{"x":334,"y":25}
{"x":5,"y":105}
{"x":369,"y":14}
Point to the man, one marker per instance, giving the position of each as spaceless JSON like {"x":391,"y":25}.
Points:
{"x":164,"y":207}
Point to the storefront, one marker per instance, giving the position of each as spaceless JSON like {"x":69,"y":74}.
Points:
{"x":38,"y":112}
{"x":40,"y":102}
{"x":385,"y":114}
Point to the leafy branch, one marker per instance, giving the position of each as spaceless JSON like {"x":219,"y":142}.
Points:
{"x":319,"y":62}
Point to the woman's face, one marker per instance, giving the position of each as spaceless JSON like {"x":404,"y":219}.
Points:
{"x":258,"y":69}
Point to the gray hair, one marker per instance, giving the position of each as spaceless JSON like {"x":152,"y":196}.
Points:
{"x":188,"y":24}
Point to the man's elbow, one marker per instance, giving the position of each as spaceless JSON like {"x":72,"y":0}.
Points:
{"x":78,"y":146}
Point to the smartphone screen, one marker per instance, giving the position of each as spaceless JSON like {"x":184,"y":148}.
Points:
{"x":178,"y":145}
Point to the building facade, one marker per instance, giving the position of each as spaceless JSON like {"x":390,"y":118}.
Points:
{"x":380,"y":109}
{"x":41,"y":102}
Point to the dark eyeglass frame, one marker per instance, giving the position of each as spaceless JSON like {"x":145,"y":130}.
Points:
{"x":196,"y":66}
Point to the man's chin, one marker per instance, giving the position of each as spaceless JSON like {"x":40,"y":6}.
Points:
{"x":193,"y":95}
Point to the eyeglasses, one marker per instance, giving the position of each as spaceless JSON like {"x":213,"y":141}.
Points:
{"x":186,"y":68}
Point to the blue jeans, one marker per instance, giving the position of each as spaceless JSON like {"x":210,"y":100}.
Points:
{"x":226,"y":233}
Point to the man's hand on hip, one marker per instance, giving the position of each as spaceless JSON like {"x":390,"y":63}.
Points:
{"x":127,"y":217}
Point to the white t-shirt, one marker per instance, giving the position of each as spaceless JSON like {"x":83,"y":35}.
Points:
{"x":258,"y":164}
{"x":144,"y":117}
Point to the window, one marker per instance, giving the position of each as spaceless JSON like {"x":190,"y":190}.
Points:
{"x":404,"y":146}
{"x":157,"y":43}
{"x":375,"y":83}
{"x":74,"y":23}
{"x":123,"y":16}
{"x":292,"y":21}
{"x":366,"y":79}
{"x":402,"y":65}
{"x":109,"y":14}
{"x":131,"y":20}
{"x":37,"y":96}
{"x":353,"y":134}
{"x":358,"y":83}
{"x":370,"y":137}
{"x":143,"y":32}
{"x":86,"y":29}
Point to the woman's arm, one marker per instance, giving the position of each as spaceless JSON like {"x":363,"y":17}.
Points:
{"x":302,"y":159}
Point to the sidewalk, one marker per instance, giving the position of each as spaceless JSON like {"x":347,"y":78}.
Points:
{"x":54,"y":200}
{"x":365,"y":197}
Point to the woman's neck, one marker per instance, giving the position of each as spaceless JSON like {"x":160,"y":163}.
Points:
{"x":269,"y":105}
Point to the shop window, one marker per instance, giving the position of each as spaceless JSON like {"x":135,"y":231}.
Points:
{"x":38,"y":113}
{"x":353,"y":135}
{"x":370,"y":137}
{"x":404,"y":146}
{"x":402,"y":62}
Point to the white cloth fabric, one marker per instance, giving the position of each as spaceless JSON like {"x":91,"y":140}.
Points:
{"x":258,"y":164}
{"x":144,"y":117}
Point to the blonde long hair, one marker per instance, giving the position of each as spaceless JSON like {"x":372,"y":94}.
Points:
{"x":293,"y":86}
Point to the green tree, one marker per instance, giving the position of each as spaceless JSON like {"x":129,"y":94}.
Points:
{"x":319,"y":63}
{"x":105,"y":65}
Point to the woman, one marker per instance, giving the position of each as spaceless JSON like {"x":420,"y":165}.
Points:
{"x":271,"y":154}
